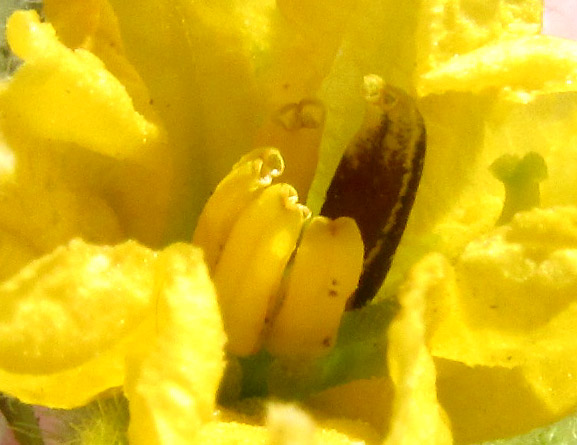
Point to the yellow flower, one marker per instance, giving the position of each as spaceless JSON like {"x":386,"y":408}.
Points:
{"x":126,"y":115}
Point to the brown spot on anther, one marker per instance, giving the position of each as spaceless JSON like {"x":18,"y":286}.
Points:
{"x":333,"y":293}
{"x":327,"y":342}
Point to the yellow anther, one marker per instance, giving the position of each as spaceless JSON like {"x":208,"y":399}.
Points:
{"x":236,"y":191}
{"x":325,"y":273}
{"x":249,"y":230}
{"x":249,"y":272}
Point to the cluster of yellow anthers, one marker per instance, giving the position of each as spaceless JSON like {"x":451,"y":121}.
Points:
{"x":126,"y":113}
{"x":249,"y":221}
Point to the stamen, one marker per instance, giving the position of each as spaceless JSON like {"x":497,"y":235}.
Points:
{"x":267,"y":162}
{"x":377,"y":179}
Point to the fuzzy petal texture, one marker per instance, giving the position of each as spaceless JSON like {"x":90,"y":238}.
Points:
{"x":101,"y":307}
{"x":172,"y":388}
{"x":502,"y":321}
{"x":65,"y":115}
{"x":417,"y":416}
{"x":94,"y":304}
{"x":126,"y":114}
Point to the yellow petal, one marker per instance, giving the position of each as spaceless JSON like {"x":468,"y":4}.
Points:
{"x":284,"y":425}
{"x":96,"y":306}
{"x":539,"y":64}
{"x":513,"y":292}
{"x":68,"y":108}
{"x":195,"y":61}
{"x":172,"y":387}
{"x":81,"y":101}
{"x":458,"y":198}
{"x":74,"y":21}
{"x":417,"y":415}
{"x":448,"y":28}
{"x":92,"y":25}
{"x":85,"y":298}
{"x":507,"y":309}
{"x":552,"y":381}
{"x":36,"y":197}
{"x":488,"y":403}
{"x":91,"y":303}
{"x":487,"y":99}
{"x":365,"y":400}
{"x":225,"y":433}
{"x":14,"y":254}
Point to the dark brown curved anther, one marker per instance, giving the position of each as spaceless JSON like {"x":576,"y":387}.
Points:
{"x":377,"y":179}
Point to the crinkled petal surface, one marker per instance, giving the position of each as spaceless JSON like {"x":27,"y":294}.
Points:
{"x":78,"y":140}
{"x":506,"y":311}
{"x":98,"y":111}
{"x":417,"y":416}
{"x":98,"y":305}
{"x":176,"y":91}
{"x":172,"y":388}
{"x":448,"y":29}
{"x":467,"y":130}
{"x":35,"y":196}
{"x":93,"y":26}
{"x":532,"y":64}
{"x":70,"y":317}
